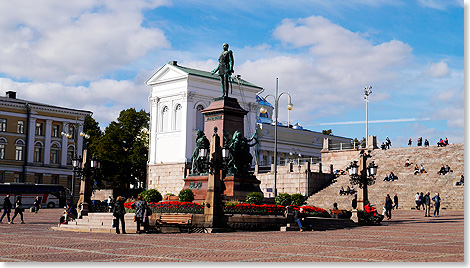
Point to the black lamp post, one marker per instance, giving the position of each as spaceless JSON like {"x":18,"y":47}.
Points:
{"x":263,"y":110}
{"x":363,"y":175}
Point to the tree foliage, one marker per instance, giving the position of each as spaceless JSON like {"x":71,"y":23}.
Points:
{"x":151,"y":195}
{"x":186,"y":195}
{"x":359,"y":143}
{"x":283,"y":199}
{"x":297,"y":200}
{"x":123,"y":149}
{"x":254,"y":198}
{"x":327,"y":132}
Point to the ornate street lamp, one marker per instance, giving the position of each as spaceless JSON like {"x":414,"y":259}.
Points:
{"x":367,"y":92}
{"x":364,"y":177}
{"x":263,"y":110}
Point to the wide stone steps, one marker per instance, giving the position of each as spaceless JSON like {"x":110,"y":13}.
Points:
{"x":98,"y":222}
{"x":393,"y":160}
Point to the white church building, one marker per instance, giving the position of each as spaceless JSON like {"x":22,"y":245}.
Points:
{"x":177,"y":96}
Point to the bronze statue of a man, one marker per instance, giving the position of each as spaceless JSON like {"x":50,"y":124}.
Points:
{"x":225,"y":68}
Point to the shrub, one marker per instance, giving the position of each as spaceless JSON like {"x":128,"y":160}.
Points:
{"x":283,"y":199}
{"x":254,"y":198}
{"x":170,"y":194}
{"x":151,"y":195}
{"x":186,"y":195}
{"x":297,"y":200}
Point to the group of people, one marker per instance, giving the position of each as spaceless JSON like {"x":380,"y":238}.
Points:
{"x":444,"y":170}
{"x":419,"y":170}
{"x":348,"y":191}
{"x":420,"y":142}
{"x":386,"y":144}
{"x":142,"y":214}
{"x":391,"y":177}
{"x":424,"y":200}
{"x":442,"y":143}
{"x":389,"y":205}
{"x":8,"y":206}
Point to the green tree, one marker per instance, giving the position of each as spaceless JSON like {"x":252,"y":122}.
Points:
{"x":361,"y":143}
{"x":123,"y":149}
{"x":151,"y":195}
{"x":297,"y":200}
{"x":327,"y":132}
{"x":254,"y":198}
{"x":283,"y":199}
{"x":186,"y":195}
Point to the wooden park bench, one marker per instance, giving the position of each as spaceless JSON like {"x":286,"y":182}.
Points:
{"x":175,"y":220}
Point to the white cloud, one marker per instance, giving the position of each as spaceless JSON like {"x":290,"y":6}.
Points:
{"x":105,"y":98}
{"x":339,"y":64}
{"x":440,"y":69}
{"x":439,"y":4}
{"x":73,"y":41}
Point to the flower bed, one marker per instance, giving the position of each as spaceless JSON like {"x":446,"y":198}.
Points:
{"x":171,"y":207}
{"x":253,"y":209}
{"x":243,"y":208}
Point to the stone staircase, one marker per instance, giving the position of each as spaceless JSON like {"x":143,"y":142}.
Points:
{"x":407,"y":185}
{"x":98,"y":223}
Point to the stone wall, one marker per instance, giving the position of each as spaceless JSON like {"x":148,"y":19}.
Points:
{"x":166,"y":178}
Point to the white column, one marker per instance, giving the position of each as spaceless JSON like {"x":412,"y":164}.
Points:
{"x":189,"y":119}
{"x":31,"y":138}
{"x":47,"y":142}
{"x":65,"y":143}
{"x":153,"y":129}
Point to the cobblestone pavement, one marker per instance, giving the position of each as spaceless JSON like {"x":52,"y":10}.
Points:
{"x":409,"y":237}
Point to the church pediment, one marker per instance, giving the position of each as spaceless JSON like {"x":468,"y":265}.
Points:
{"x":165,"y":74}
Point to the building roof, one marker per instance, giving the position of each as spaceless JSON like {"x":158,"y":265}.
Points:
{"x":24,"y":102}
{"x":208,"y":74}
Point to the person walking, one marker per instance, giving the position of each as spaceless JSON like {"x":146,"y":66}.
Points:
{"x":140,"y":206}
{"x":119,"y":211}
{"x":18,"y":210}
{"x":421,"y":199}
{"x":388,"y":207}
{"x":427,"y":204}
{"x":417,"y":200}
{"x":6,"y":208}
{"x":37,"y":204}
{"x":395,"y":201}
{"x":437,"y":204}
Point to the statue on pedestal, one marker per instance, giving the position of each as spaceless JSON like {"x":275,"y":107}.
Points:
{"x":225,"y":68}
{"x":197,"y":164}
{"x":239,"y":148}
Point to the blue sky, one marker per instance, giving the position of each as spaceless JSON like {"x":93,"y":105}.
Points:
{"x":89,"y":54}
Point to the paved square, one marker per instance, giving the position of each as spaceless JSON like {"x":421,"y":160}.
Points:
{"x":409,"y":237}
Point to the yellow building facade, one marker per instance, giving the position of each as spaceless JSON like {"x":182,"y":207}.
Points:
{"x":34,"y":147}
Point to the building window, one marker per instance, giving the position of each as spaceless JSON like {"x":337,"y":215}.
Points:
{"x":54,"y":179}
{"x":38,"y":149}
{"x":55,"y":131}
{"x":19,"y":146}
{"x":2,"y":177}
{"x":19,"y":178}
{"x":2,"y":150}
{"x":70,"y":151}
{"x":165,"y":119}
{"x":199,"y":118}
{"x":178,"y":112}
{"x":39,"y":129}
{"x":265,"y":160}
{"x":3,"y":125}
{"x":38,"y":178}
{"x":69,"y":183}
{"x":55,"y":154}
{"x":20,"y":129}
